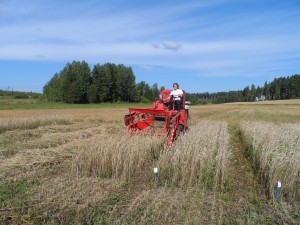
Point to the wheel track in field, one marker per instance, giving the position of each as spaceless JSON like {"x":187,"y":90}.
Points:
{"x":244,"y":185}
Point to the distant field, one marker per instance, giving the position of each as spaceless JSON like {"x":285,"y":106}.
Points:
{"x":277,"y":102}
{"x":76,"y":164}
{"x":271,"y":111}
{"x":11,"y":104}
{"x":14,"y":101}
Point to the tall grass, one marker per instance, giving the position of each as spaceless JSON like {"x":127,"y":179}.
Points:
{"x":199,"y":157}
{"x":120,"y":157}
{"x":275,"y":149}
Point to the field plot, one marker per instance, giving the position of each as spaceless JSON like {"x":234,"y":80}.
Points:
{"x":275,"y":149}
{"x":79,"y":166}
{"x":55,"y":167}
{"x":198,"y":158}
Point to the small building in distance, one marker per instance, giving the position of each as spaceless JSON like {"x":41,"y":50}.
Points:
{"x":261,"y":98}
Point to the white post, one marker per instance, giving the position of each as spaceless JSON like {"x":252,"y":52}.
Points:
{"x":155,"y":175}
{"x":277,"y":190}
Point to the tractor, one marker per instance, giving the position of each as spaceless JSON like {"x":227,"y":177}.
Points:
{"x":160,"y":120}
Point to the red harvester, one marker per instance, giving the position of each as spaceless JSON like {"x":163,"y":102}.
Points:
{"x":159,"y":120}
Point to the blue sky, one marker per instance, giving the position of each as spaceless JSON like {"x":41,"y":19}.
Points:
{"x":205,"y":46}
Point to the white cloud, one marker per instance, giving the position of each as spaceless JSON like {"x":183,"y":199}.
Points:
{"x":146,"y":67}
{"x":155,"y":45}
{"x":171,"y":45}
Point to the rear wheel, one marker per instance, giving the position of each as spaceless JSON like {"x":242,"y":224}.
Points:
{"x":180,"y":129}
{"x":127,"y":120}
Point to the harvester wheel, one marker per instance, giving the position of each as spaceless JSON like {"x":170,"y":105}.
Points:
{"x":127,"y":120}
{"x":180,"y":129}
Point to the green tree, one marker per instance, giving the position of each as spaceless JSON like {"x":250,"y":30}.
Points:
{"x":295,"y":86}
{"x":141,"y":88}
{"x":266,"y":90}
{"x":100,"y":84}
{"x":252,"y":93}
{"x":126,"y":86}
{"x":246,"y":94}
{"x":92,"y":95}
{"x":277,"y":87}
{"x":75,"y":82}
{"x":148,"y":92}
{"x":284,"y":89}
{"x":53,"y":89}
{"x":110,"y":81}
{"x":155,"y":91}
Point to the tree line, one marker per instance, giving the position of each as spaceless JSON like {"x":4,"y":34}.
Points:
{"x":19,"y":94}
{"x":78,"y":83}
{"x":279,"y":89}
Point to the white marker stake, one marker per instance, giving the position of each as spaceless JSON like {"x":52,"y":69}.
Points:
{"x":279,"y":184}
{"x":277,"y":190}
{"x":155,"y":176}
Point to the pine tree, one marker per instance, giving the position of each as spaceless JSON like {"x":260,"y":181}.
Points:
{"x":155,"y":91}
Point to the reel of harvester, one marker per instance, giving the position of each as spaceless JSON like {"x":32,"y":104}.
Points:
{"x":159,"y":120}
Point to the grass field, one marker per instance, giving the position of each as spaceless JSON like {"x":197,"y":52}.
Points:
{"x":65,"y":164}
{"x":14,"y":104}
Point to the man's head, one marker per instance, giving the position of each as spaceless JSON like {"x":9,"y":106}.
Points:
{"x":175,"y":86}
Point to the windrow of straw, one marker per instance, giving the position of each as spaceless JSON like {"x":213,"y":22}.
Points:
{"x":121,"y":157}
{"x":30,"y":122}
{"x":275,"y":150}
{"x":199,"y":157}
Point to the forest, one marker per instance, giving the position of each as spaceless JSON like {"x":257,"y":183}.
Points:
{"x":78,"y":83}
{"x":279,"y":89}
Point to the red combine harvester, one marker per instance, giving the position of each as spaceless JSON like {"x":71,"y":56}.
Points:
{"x":160,"y":120}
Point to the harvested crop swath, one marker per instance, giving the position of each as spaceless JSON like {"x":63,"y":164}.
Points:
{"x":199,"y":157}
{"x":30,"y":122}
{"x":275,"y":149}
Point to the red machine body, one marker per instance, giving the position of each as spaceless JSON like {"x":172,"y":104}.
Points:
{"x":159,"y":120}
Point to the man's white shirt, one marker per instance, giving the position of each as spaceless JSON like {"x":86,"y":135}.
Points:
{"x":176,"y":94}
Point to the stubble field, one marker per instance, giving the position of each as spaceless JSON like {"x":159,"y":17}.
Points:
{"x":79,"y":166}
